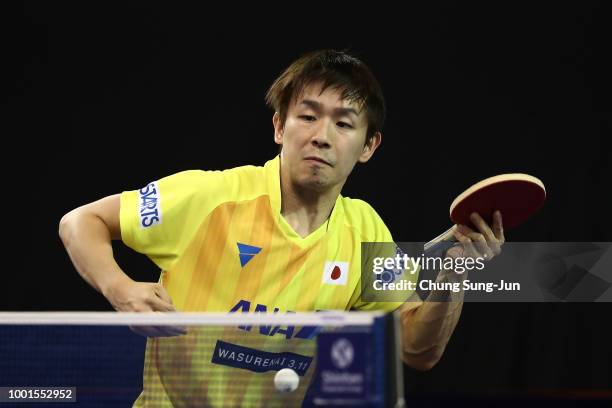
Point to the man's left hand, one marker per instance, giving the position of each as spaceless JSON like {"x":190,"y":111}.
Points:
{"x":485,"y":243}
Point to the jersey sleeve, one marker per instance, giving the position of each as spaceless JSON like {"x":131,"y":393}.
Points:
{"x":377,"y":242}
{"x":160,"y":219}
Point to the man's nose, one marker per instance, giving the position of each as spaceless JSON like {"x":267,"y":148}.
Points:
{"x":323,"y":135}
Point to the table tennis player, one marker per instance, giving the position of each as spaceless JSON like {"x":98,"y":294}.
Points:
{"x":273,"y":237}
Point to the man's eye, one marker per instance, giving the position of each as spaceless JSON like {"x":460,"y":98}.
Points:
{"x":344,"y":125}
{"x":308,"y":118}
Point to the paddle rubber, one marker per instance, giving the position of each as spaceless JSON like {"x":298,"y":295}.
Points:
{"x":517,"y":196}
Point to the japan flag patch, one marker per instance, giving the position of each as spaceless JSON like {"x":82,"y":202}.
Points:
{"x":335,"y":273}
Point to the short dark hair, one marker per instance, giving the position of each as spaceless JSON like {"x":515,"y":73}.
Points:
{"x":336,"y":69}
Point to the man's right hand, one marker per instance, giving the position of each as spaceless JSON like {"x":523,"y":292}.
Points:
{"x":87,"y":232}
{"x":127,"y":295}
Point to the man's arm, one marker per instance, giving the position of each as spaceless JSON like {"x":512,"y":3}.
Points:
{"x":427,"y":329}
{"x":87,"y":232}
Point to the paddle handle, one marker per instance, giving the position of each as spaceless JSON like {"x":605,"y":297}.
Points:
{"x":440,"y":244}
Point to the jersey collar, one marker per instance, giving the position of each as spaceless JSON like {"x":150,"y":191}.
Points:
{"x":272,"y":174}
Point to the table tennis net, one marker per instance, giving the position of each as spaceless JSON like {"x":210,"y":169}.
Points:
{"x":106,"y":359}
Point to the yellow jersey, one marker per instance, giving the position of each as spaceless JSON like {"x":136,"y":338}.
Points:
{"x":223,"y":246}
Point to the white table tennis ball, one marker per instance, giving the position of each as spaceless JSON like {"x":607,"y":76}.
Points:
{"x":286,"y":380}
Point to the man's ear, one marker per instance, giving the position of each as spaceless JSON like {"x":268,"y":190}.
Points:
{"x":370,"y":146}
{"x":278,"y":129}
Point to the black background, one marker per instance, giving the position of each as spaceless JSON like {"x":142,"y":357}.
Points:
{"x":110,"y":97}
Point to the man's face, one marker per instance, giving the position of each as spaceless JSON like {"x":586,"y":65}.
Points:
{"x":323,"y":138}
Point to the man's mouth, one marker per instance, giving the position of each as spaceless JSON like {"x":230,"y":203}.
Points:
{"x":318,"y":160}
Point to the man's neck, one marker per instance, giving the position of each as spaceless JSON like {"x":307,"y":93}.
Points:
{"x":304,"y":209}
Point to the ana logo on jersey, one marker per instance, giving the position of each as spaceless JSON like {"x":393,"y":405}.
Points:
{"x":335,"y":273}
{"x":304,"y":332}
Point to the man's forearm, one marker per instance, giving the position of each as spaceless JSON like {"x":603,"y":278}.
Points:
{"x":427,"y":329}
{"x":88,"y":243}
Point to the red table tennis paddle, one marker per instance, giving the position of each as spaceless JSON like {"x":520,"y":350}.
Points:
{"x":517,"y":196}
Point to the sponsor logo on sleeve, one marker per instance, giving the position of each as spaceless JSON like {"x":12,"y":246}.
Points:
{"x":149,"y":209}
